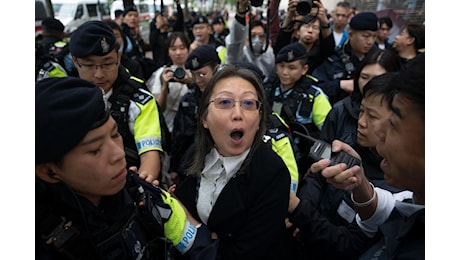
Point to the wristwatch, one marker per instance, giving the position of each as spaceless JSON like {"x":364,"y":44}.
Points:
{"x":328,"y":25}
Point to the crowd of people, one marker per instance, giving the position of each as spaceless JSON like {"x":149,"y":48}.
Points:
{"x":199,"y":152}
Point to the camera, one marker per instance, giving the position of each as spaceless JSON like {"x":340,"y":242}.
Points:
{"x":178,"y":73}
{"x":304,"y":7}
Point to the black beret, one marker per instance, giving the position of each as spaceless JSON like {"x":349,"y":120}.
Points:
{"x":218,"y":19}
{"x":65,"y":110}
{"x":201,"y":56}
{"x":128,"y":9}
{"x":364,"y":21}
{"x":291,"y":52}
{"x":200,"y":19}
{"x":92,"y":38}
{"x":50,"y":23}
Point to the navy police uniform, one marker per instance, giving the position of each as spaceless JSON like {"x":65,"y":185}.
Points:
{"x":132,"y":106}
{"x":185,"y":121}
{"x":343,"y":63}
{"x":139,"y":221}
{"x":50,"y":50}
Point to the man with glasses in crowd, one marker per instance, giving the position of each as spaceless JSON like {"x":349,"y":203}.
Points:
{"x":96,"y":55}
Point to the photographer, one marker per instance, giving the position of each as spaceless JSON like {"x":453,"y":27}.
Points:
{"x":307,"y":23}
{"x":241,"y":49}
{"x":169,"y":83}
{"x":159,"y":31}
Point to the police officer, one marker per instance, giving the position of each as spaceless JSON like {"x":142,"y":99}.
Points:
{"x":88,"y":206}
{"x":201,"y":62}
{"x":202,"y":35}
{"x":292,"y":95}
{"x":335,"y":74}
{"x":95,"y":52}
{"x":50,"y":49}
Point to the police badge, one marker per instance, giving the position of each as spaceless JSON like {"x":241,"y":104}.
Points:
{"x":105,"y":45}
{"x":195,"y":63}
{"x":290,"y":56}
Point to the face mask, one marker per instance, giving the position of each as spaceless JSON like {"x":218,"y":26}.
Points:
{"x":257,"y":46}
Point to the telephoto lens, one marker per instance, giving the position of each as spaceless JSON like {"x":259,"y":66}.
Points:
{"x":304,"y":7}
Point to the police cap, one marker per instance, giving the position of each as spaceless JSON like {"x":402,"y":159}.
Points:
{"x":201,"y":56}
{"x":65,"y":110}
{"x":364,"y":21}
{"x":200,"y":19}
{"x":291,"y":52}
{"x":50,"y":23}
{"x":217,"y":20}
{"x":92,"y":38}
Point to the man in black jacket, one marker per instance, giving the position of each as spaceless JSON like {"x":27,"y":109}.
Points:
{"x":159,"y":31}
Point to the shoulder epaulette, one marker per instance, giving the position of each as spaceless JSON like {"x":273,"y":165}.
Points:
{"x":141,"y":97}
{"x":312,"y":78}
{"x":275,"y":133}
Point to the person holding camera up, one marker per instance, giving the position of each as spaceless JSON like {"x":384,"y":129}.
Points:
{"x":336,"y":73}
{"x":307,"y":23}
{"x":256,"y":50}
{"x":169,"y":83}
{"x":160,"y":29}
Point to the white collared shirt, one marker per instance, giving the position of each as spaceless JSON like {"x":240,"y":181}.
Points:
{"x":218,"y":170}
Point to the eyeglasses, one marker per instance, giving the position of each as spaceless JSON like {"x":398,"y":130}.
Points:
{"x":93,"y":67}
{"x":200,"y":75}
{"x":228,"y":103}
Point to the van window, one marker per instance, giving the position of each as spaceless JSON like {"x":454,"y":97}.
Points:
{"x":80,"y":12}
{"x":143,"y":8}
{"x":40,"y":11}
{"x":56,"y":8}
{"x":68,"y":11}
{"x":92,"y":9}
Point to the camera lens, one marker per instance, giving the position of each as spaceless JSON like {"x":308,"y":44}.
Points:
{"x":304,"y":7}
{"x":179,"y":73}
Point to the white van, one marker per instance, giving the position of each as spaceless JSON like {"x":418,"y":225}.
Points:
{"x":73,"y":13}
